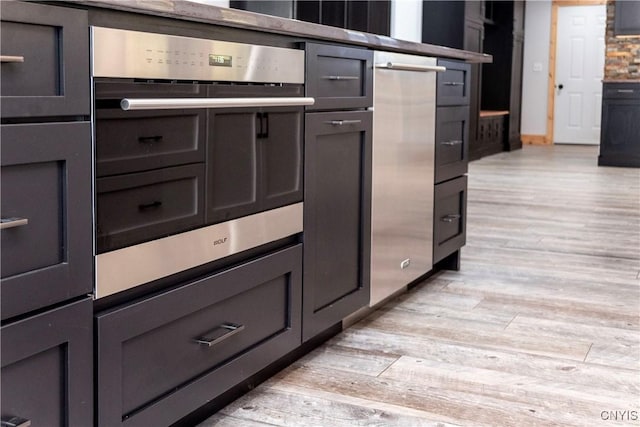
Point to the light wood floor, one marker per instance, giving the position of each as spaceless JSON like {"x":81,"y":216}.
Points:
{"x":540,"y":327}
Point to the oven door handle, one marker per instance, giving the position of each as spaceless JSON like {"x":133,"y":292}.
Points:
{"x":180,"y":103}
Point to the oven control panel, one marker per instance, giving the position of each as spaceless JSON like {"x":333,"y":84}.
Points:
{"x":133,"y":54}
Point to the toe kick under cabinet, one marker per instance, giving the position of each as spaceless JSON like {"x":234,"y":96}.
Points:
{"x":451,"y":161}
{"x":165,"y":356}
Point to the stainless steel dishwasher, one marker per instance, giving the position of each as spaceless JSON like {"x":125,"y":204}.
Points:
{"x":404,"y":101}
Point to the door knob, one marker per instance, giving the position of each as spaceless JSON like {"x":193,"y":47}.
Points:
{"x":560,"y":86}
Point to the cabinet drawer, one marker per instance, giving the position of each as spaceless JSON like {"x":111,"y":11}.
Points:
{"x":134,"y":141}
{"x":454,"y":84}
{"x":46,"y":368}
{"x":45,"y":66}
{"x":138,"y":207}
{"x":46,"y":194}
{"x":449,"y":217}
{"x":170,"y":334}
{"x":621,"y":90}
{"x":452,"y":142}
{"x":339,"y":77}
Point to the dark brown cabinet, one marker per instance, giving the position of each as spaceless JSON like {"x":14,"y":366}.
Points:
{"x":451,"y":162}
{"x":337,"y":185}
{"x":337,"y":217}
{"x":45,"y":61}
{"x":450,"y":205}
{"x":47,"y":368}
{"x":46,"y":194}
{"x":620,"y":131}
{"x":502,"y":79}
{"x":46,"y":232}
{"x":167,"y":355}
{"x":452,"y":142}
{"x":371,"y":16}
{"x":495,"y":28}
{"x":339,"y":78}
{"x":627,"y":18}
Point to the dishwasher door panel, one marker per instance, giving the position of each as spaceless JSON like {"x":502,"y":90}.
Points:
{"x":403,"y":173}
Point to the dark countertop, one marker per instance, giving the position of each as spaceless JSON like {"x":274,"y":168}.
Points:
{"x":228,"y":17}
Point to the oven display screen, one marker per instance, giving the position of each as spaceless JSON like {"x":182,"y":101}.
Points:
{"x":220,"y":60}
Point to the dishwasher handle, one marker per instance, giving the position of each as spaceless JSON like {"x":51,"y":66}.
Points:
{"x":411,"y":67}
{"x":179,"y":103}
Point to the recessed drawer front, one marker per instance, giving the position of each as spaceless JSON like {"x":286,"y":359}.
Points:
{"x":452,"y":142}
{"x":139,"y":207}
{"x":45,"y":60}
{"x":449,"y":228}
{"x":621,"y":90}
{"x":46,"y":368}
{"x":32,"y":195}
{"x":133,"y":141}
{"x":339,"y":77}
{"x":163,"y":357}
{"x":453,"y":85}
{"x":46,"y":215}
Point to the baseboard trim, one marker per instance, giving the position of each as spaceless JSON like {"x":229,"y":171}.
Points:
{"x":535,"y":139}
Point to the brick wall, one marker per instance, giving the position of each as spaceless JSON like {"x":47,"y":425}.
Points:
{"x":623,"y":54}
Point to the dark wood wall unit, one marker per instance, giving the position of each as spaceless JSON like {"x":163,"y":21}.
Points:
{"x":627,"y":18}
{"x":371,"y":16}
{"x":493,"y":27}
{"x":282,"y":8}
{"x":442,"y":22}
{"x":502,"y":80}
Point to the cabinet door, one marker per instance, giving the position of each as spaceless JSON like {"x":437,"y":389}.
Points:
{"x":47,"y":368}
{"x":337,"y":224}
{"x":627,"y":18}
{"x":619,"y":141}
{"x":46,"y":214}
{"x":45,"y":60}
{"x":254,"y":161}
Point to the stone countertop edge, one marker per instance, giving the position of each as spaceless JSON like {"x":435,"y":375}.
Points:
{"x":198,"y":12}
{"x":620,"y":80}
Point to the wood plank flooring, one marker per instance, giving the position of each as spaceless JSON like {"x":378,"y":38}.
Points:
{"x":540,"y":327}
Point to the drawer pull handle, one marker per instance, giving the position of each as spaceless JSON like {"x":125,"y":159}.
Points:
{"x":335,"y":78}
{"x":15,"y":422}
{"x":453,"y":83}
{"x":625,"y":90}
{"x":343,"y":122}
{"x":9,"y":58}
{"x":452,"y":142}
{"x":152,"y":205}
{"x":12,"y":222}
{"x":172,"y":103}
{"x":450,"y":218}
{"x":219,"y":334}
{"x":150,"y":139}
{"x":411,"y":67}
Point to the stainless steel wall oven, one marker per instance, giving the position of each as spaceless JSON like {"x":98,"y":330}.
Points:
{"x":198,"y":147}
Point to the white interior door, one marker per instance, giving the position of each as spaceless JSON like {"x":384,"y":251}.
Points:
{"x":579,"y":71}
